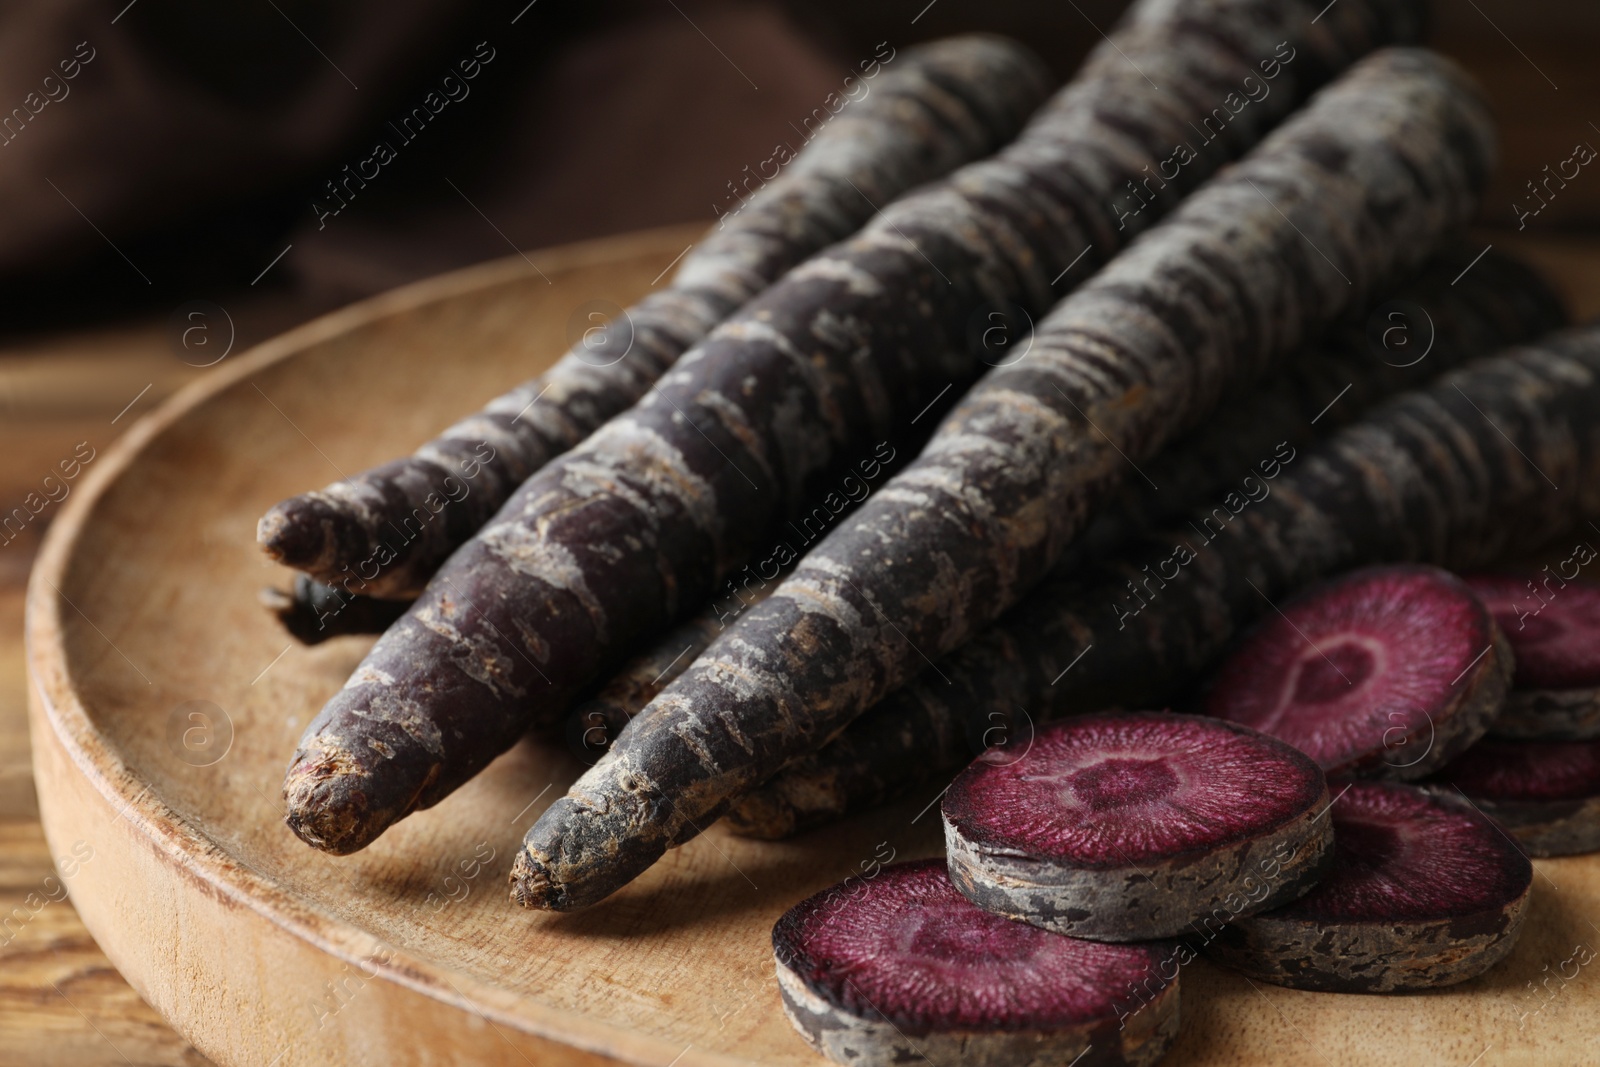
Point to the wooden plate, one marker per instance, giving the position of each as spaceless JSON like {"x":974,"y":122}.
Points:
{"x":166,"y":703}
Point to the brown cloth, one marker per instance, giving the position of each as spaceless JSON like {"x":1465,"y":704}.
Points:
{"x":160,"y":151}
{"x":191,"y":140}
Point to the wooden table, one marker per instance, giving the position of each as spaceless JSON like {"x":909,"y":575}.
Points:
{"x":60,"y":1000}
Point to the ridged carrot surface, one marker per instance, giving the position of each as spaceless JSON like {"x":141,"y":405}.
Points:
{"x":615,"y":540}
{"x":1349,"y":195}
{"x":1458,"y":474}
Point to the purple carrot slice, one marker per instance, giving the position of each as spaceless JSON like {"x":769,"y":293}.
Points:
{"x":1125,"y":827}
{"x":1553,"y":625}
{"x":1424,"y":891}
{"x":1385,"y":672}
{"x":1546,"y":793}
{"x":902,"y":967}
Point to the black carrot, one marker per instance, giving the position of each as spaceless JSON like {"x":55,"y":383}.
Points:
{"x":911,"y":119}
{"x":615,"y":540}
{"x":1349,"y":195}
{"x":313,"y":611}
{"x":595,"y":722}
{"x":1454,"y":474}
{"x":1441,"y":319}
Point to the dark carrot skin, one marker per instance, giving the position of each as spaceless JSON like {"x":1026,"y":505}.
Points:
{"x":1349,"y":194}
{"x":313,"y":612}
{"x":614,"y":541}
{"x":1500,"y":302}
{"x":1453,"y":317}
{"x":384,"y":532}
{"x":596,"y":721}
{"x":1425,"y":478}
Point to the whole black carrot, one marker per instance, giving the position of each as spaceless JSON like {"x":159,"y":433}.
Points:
{"x":908,"y":120}
{"x":1347,"y":195}
{"x":1458,"y":474}
{"x":785,"y":400}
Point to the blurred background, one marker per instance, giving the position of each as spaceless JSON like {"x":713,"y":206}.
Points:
{"x":165,"y":172}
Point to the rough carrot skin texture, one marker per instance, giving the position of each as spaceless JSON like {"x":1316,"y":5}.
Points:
{"x":1349,"y":194}
{"x":1428,"y":477}
{"x":927,"y":112}
{"x":1499,"y":302}
{"x":596,"y":721}
{"x":619,"y":537}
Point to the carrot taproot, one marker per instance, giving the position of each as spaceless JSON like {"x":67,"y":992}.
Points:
{"x":1459,"y":473}
{"x":385,"y":531}
{"x":1347,"y":196}
{"x":619,"y":537}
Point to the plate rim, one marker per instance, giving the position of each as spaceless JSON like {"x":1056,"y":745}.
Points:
{"x":167,"y":831}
